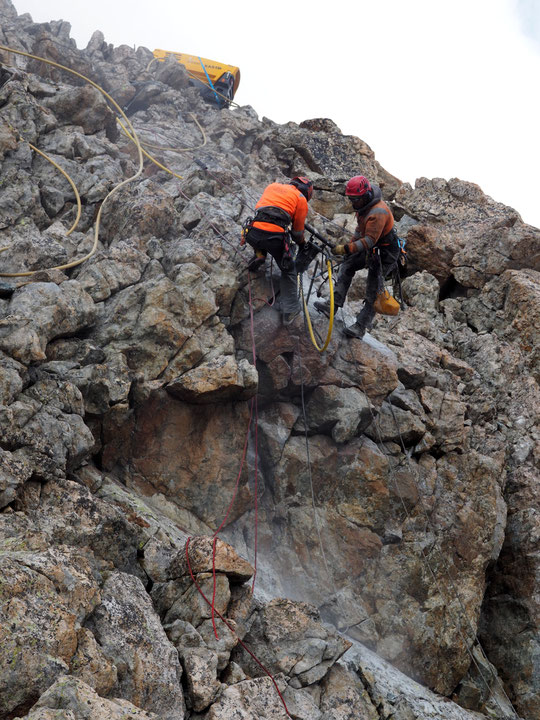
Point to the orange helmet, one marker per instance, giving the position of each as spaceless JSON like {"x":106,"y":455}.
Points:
{"x":303,"y":184}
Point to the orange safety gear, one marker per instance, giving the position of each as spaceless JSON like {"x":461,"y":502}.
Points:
{"x":289,"y":199}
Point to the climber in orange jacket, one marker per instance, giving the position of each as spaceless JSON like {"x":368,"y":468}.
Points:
{"x":279,"y":218}
{"x":374,"y":231}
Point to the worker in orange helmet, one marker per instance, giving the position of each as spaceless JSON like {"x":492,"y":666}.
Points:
{"x":279,"y":219}
{"x":374,"y":231}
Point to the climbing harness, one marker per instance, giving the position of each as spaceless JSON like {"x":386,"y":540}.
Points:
{"x":274,"y":215}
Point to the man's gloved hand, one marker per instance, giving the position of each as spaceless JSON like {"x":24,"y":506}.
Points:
{"x":340,"y":250}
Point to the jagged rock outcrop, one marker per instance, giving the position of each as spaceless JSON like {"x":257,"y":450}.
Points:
{"x":143,"y":389}
{"x":457,"y":233}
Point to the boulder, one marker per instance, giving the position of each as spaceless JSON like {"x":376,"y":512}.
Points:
{"x":219,"y":380}
{"x":131,"y":636}
{"x":344,"y":412}
{"x":46,"y":596}
{"x":74,"y":698}
{"x":84,"y":106}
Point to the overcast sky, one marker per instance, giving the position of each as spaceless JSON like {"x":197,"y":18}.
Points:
{"x":437,"y":89}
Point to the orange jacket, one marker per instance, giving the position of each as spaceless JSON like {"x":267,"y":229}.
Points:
{"x":288,"y":198}
{"x":372,"y":226}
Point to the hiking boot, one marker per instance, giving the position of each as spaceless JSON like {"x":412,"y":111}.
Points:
{"x":290,"y":317}
{"x":255,"y":263}
{"x":323,"y":306}
{"x":354,"y":331}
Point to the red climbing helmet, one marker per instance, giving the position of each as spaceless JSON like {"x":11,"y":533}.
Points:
{"x":303,"y":184}
{"x":358,"y":186}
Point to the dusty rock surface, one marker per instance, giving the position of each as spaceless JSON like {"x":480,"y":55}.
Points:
{"x":150,"y":397}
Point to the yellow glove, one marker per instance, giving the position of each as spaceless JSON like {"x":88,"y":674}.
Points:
{"x":340,"y":250}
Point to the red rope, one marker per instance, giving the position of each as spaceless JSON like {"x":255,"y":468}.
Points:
{"x":254,"y":405}
{"x":245,"y":647}
{"x":214,"y":587}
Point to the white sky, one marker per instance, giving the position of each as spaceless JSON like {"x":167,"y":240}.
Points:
{"x":436,"y":89}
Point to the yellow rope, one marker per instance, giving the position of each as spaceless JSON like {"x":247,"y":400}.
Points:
{"x":306,"y":310}
{"x":70,"y":181}
{"x":64,"y":173}
{"x":115,"y":189}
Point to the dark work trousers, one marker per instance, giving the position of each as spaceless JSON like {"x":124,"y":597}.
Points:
{"x":273,"y":243}
{"x":357,"y":261}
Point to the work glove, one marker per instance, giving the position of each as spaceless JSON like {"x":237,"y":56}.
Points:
{"x":340,"y":250}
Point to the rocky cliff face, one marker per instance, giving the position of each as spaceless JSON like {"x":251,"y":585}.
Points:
{"x":394,"y":477}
